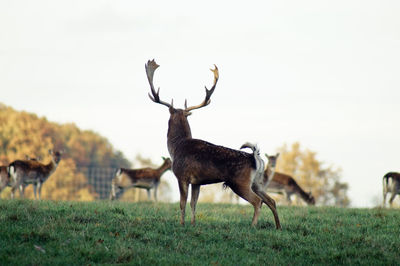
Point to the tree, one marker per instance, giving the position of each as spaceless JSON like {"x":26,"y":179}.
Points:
{"x":312,"y":175}
{"x":24,"y":133}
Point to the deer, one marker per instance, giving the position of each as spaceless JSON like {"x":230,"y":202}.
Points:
{"x":284,"y":184}
{"x":391,"y":184}
{"x":196,"y":162}
{"x":146,"y":178}
{"x":25,"y":172}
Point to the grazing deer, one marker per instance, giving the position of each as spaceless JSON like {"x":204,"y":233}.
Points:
{"x":25,"y":172}
{"x":391,"y":184}
{"x":4,"y":178}
{"x":284,"y":184}
{"x":196,"y":162}
{"x":147,"y":178}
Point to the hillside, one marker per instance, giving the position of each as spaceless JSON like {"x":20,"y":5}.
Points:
{"x":73,"y":233}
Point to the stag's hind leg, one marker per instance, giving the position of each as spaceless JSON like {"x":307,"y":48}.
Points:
{"x":183,"y":190}
{"x":193,"y":202}
{"x":246,"y":193}
{"x":270,"y":203}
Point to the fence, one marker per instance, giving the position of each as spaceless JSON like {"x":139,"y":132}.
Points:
{"x":99,"y":178}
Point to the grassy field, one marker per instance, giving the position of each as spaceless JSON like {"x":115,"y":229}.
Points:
{"x":72,"y":233}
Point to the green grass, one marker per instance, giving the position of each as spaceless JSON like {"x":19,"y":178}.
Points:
{"x":72,"y":233}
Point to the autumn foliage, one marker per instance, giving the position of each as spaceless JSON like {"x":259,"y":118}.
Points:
{"x":25,"y":134}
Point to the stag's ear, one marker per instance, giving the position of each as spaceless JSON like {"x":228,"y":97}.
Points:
{"x":277,"y":155}
{"x":162,"y":157}
{"x":171,"y":107}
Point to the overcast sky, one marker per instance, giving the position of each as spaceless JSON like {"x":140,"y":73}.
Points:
{"x":324,"y":73}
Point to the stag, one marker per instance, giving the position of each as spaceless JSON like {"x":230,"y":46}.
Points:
{"x":196,"y":162}
{"x":391,"y":184}
{"x":25,"y":172}
{"x":284,"y":184}
{"x":146,"y":178}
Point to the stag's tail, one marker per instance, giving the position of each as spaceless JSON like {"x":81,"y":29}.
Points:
{"x":256,"y":153}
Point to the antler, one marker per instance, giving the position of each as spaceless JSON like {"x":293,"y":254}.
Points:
{"x":151,"y":67}
{"x":209,"y":92}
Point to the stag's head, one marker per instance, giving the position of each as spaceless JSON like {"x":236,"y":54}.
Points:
{"x":178,"y":116}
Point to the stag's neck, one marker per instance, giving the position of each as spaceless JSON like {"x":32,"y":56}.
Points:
{"x":177,"y":133}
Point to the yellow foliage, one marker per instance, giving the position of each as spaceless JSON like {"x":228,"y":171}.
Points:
{"x":25,"y":134}
{"x":312,"y":175}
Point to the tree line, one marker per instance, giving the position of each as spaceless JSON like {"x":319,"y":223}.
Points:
{"x":25,"y":134}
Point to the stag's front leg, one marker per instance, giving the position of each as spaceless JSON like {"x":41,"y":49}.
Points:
{"x":183,"y":189}
{"x":193,"y":202}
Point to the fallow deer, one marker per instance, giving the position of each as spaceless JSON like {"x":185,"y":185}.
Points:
{"x":284,"y":184}
{"x":391,"y":184}
{"x":146,"y":178}
{"x":25,"y":172}
{"x":196,"y":162}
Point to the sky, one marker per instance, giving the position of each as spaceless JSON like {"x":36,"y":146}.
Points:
{"x":322,"y":73}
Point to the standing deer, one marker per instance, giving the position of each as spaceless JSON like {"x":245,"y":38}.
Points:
{"x":147,"y":178}
{"x":4,"y":178}
{"x":25,"y":172}
{"x":284,"y":184}
{"x":196,"y":162}
{"x":391,"y":184}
